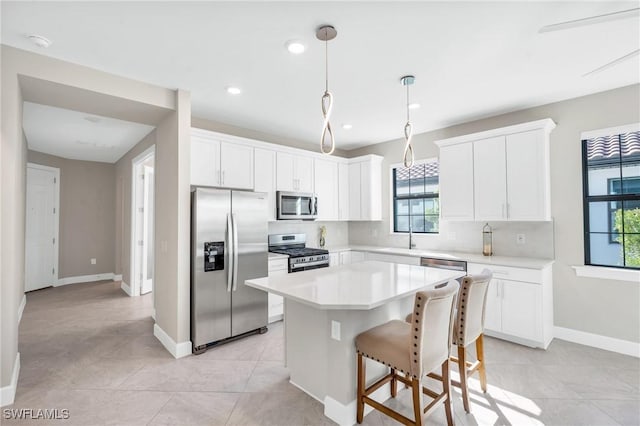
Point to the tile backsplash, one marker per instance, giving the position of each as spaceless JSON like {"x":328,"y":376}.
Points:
{"x":463,"y":237}
{"x":337,"y":232}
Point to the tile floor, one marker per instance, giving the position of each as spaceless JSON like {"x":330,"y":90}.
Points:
{"x":90,"y":349}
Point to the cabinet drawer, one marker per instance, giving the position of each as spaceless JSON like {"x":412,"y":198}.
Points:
{"x":278,"y":264}
{"x":508,"y":272}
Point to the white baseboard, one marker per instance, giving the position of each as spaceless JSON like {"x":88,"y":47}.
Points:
{"x":85,"y":279}
{"x":178,"y":350}
{"x":8,"y":393}
{"x":117,"y":277}
{"x":23,"y":303}
{"x":345,"y":415}
{"x":125,"y":287}
{"x":625,"y":347}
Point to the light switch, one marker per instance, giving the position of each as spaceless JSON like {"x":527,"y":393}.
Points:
{"x":93,"y":261}
{"x":335,"y":330}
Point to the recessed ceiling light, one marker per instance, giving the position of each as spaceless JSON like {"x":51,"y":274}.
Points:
{"x":232,"y":90}
{"x":347,"y":126}
{"x":39,"y":40}
{"x":295,"y":46}
{"x":414,"y":106}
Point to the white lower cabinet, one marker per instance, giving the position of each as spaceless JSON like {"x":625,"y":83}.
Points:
{"x":394,"y":258}
{"x":276,"y":303}
{"x":519,"y":304}
{"x":357,"y":256}
{"x":334,"y":259}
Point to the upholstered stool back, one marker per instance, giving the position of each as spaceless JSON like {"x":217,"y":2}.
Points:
{"x":469,"y":321}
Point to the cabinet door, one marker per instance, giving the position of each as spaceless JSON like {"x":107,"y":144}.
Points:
{"x":205,"y":162}
{"x":370,"y":190}
{"x":493,"y":308}
{"x":343,"y":191}
{"x":527,"y":176}
{"x":354,"y":192}
{"x":236,"y":164}
{"x":357,"y":256}
{"x":285,"y":174}
{"x":303,"y":173}
{"x":489,"y":172}
{"x":521,"y":309}
{"x":334,"y":259}
{"x":326,"y":185}
{"x":345,"y":257}
{"x":265,"y":177}
{"x":456,"y":182}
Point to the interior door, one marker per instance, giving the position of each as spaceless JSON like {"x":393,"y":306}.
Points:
{"x":210,"y":294}
{"x":147,"y":232}
{"x":249,"y":305}
{"x":40,"y":245}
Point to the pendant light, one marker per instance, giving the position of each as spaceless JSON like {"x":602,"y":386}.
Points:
{"x":408,"y":158}
{"x":326,"y":33}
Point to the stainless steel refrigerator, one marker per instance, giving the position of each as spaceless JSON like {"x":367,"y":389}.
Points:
{"x":228,"y":246}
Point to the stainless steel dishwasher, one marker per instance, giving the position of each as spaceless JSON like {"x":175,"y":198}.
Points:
{"x":432,"y":262}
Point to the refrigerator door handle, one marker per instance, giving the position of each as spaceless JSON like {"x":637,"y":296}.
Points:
{"x":230,"y":252}
{"x":235,"y":252}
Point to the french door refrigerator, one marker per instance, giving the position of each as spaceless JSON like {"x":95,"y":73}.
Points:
{"x":228,"y":246}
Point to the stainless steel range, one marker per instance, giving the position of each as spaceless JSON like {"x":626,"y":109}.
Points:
{"x":301,"y":258}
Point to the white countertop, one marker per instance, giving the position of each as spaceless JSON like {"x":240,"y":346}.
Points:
{"x":359,"y":286}
{"x":516,"y":262}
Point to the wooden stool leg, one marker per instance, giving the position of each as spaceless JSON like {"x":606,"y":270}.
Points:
{"x":394,"y":383}
{"x":361,"y":388}
{"x":481,"y":370}
{"x":418,"y":409}
{"x":446,"y":387}
{"x":462,"y":366}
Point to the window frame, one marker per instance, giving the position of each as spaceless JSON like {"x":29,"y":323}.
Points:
{"x":587,"y":199}
{"x":392,"y":198}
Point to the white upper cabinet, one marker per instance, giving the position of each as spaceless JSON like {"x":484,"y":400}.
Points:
{"x":205,"y":162}
{"x":294,"y":172}
{"x":365,"y":188}
{"x":219,"y":163}
{"x":456,"y":182}
{"x":326,"y":186}
{"x":265,"y":177}
{"x":528,"y":180}
{"x":501,"y":174}
{"x":343,"y":191}
{"x":489,"y":173}
{"x":236,"y":166}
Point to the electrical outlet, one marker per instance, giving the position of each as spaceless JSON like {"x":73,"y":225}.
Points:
{"x":520,"y":239}
{"x":93,"y":261}
{"x":335,"y":330}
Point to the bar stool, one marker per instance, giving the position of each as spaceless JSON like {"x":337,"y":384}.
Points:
{"x":414,"y":349}
{"x":468,"y":328}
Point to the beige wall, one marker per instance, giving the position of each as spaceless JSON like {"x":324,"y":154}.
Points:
{"x":605,"y":307}
{"x":95,"y":86}
{"x":87,"y":215}
{"x":123,"y":168}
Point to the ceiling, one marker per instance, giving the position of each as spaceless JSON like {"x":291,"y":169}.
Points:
{"x":79,"y":136}
{"x":471,"y":59}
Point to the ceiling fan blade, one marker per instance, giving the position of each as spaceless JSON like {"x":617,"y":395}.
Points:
{"x":623,"y":14}
{"x":614,"y":62}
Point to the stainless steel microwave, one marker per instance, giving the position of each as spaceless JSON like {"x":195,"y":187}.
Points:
{"x":297,"y":205}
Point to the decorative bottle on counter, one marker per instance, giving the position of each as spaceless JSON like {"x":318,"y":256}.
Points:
{"x":487,"y":243}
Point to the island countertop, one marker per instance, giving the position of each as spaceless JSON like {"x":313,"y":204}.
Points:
{"x":359,"y":286}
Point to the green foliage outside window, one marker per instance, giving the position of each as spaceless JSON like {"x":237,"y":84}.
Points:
{"x":631,"y":238}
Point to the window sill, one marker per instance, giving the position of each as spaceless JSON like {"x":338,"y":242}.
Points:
{"x":607,"y":273}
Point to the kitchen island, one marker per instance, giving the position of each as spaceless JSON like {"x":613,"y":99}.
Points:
{"x":326,"y":308}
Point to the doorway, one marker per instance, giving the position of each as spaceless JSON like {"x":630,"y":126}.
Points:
{"x":142,"y":222}
{"x":41,"y":234}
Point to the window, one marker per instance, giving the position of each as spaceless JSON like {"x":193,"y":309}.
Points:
{"x":416,"y":204}
{"x":611,"y":181}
